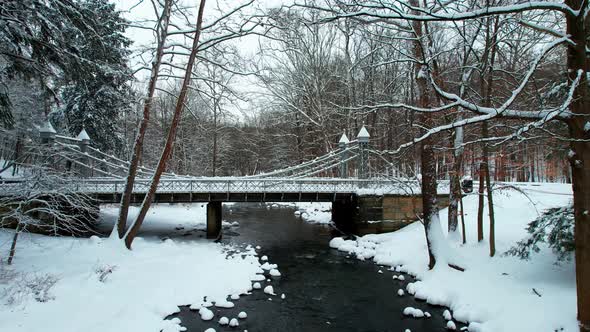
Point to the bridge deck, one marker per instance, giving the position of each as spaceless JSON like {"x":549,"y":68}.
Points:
{"x":109,"y":190}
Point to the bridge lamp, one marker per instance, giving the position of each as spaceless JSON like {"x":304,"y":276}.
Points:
{"x":83,"y":137}
{"x":47,"y":133}
{"x":363,"y":138}
{"x":342,"y":143}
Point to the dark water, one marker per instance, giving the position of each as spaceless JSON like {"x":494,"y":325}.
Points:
{"x":325,"y":290}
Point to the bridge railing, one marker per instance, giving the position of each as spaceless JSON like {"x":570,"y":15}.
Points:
{"x":374,"y":186}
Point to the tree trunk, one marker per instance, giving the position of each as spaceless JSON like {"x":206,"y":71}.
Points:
{"x":480,"y":205}
{"x":147,"y":106}
{"x":580,"y":159}
{"x":427,"y":159}
{"x":485,"y":134}
{"x":13,"y":245}
{"x":171,"y":133}
{"x":486,"y":171}
{"x":462,"y":220}
{"x":455,"y":181}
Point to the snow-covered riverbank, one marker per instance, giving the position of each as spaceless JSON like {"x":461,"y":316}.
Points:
{"x":496,"y":294}
{"x":65,"y":284}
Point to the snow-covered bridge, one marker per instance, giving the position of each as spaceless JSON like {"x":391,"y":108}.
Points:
{"x":358,"y":193}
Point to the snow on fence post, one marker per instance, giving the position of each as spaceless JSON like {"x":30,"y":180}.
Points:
{"x":343,"y":145}
{"x":84,"y":142}
{"x":363,"y":138}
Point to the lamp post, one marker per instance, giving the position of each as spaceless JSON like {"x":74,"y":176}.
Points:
{"x":47,"y":133}
{"x":363,"y":138}
{"x":343,"y":145}
{"x":84,"y":142}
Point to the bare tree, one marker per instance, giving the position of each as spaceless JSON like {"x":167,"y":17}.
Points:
{"x":166,"y":153}
{"x":162,"y":33}
{"x":48,"y":203}
{"x":573,"y":109}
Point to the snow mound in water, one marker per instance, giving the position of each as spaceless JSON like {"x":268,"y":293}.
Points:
{"x":269,"y":290}
{"x":416,"y":313}
{"x":206,"y":314}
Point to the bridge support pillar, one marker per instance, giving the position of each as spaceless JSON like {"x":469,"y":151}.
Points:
{"x":344,"y":214}
{"x":213,"y":220}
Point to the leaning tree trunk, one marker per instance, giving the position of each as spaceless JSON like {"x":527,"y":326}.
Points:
{"x":147,"y":106}
{"x":13,"y":245}
{"x":147,"y":201}
{"x":579,"y":130}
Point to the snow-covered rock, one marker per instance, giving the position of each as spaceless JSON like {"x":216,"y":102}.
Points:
{"x":258,"y":277}
{"x":400,"y":292}
{"x":451,"y":325}
{"x":223,"y":320}
{"x":242,"y":315}
{"x":447,"y":315}
{"x":234,"y":322}
{"x":269,"y":290}
{"x":95,"y":239}
{"x":267,"y":266}
{"x":275,"y":273}
{"x":206,"y":314}
{"x":256,"y":285}
{"x":224,"y":304}
{"x":414,"y":312}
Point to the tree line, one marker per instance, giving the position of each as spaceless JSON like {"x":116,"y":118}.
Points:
{"x":496,"y":90}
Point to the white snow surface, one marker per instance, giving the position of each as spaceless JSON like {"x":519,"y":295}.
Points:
{"x":317,"y":212}
{"x":493,"y":294}
{"x":269,"y":290}
{"x":145,"y":285}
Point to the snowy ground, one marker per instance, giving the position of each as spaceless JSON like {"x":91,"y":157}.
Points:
{"x":65,"y":284}
{"x":317,"y":213}
{"x":493,"y":294}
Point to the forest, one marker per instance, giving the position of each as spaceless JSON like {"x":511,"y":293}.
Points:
{"x":495,"y":91}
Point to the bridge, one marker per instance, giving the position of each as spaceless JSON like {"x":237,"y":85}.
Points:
{"x":358,"y":194}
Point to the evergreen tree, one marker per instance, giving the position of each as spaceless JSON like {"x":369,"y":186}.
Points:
{"x":98,"y":92}
{"x":555,"y":228}
{"x":73,"y":49}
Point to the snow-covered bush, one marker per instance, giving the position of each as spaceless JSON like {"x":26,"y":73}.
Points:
{"x":48,"y":202}
{"x":556,"y":228}
{"x":22,"y":286}
{"x":104,"y":271}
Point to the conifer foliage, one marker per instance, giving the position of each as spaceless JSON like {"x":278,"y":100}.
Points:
{"x":76,"y":51}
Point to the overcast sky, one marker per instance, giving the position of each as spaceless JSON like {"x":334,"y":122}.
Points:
{"x":141,"y":12}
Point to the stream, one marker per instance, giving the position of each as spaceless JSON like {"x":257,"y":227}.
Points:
{"x":325,"y":290}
